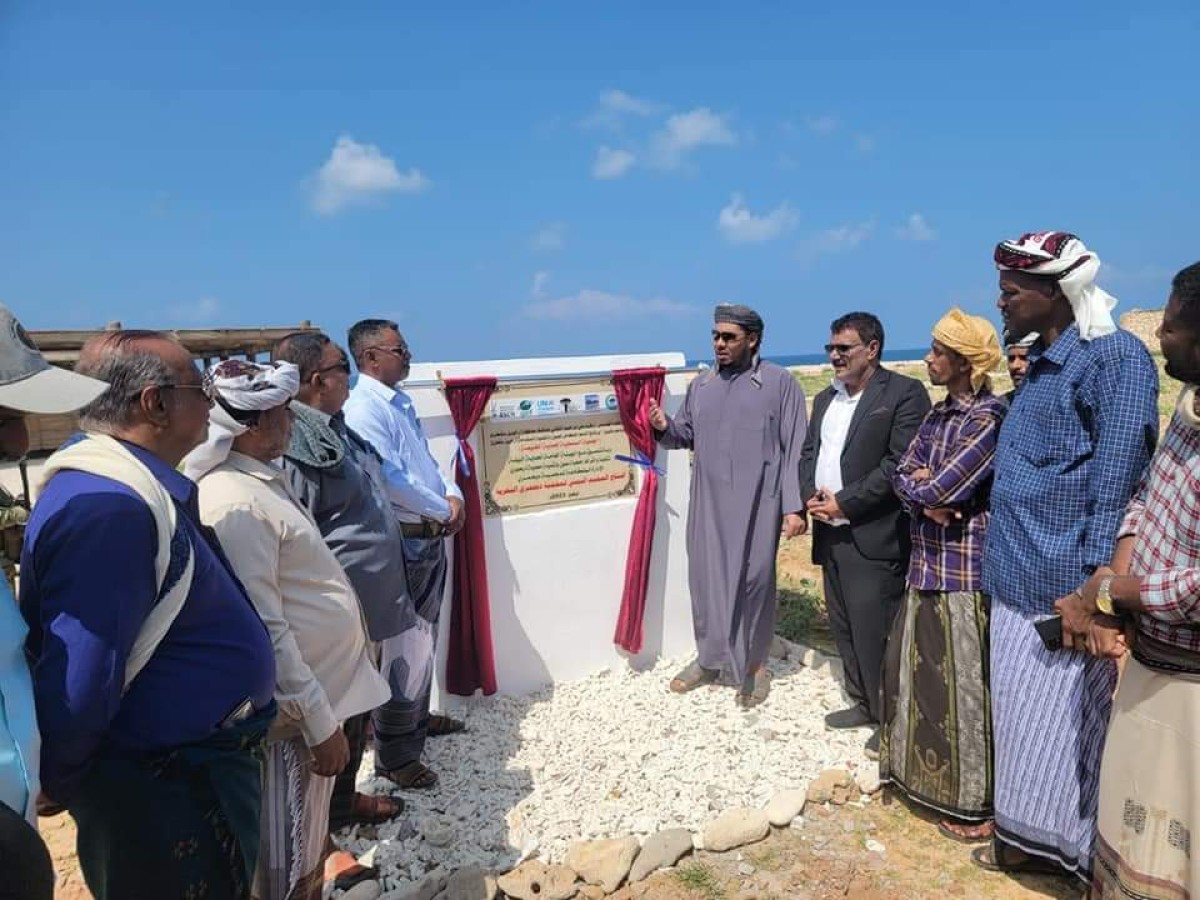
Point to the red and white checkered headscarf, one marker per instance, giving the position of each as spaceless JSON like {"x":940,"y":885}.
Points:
{"x":1063,"y":257}
{"x":241,"y":385}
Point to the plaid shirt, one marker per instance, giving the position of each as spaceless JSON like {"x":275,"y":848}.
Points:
{"x":1072,"y":450}
{"x":1164,"y":517}
{"x":956,"y":442}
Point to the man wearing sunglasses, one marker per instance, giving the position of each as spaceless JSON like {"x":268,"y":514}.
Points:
{"x":861,"y":426}
{"x":744,"y":420}
{"x":340,"y":479}
{"x":429,"y":508}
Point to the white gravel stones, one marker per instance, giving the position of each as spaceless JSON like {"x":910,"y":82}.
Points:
{"x":736,"y":828}
{"x":785,"y":806}
{"x":609,"y":756}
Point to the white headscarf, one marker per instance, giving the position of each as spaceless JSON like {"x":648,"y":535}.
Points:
{"x":240,"y":385}
{"x":1064,"y":257}
{"x":1024,"y":343}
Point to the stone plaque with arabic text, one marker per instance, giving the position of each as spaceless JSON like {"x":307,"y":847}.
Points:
{"x":536,"y":463}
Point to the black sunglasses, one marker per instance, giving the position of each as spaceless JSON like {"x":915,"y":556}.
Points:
{"x":341,"y":365}
{"x":842,"y":349}
{"x":727,"y":337}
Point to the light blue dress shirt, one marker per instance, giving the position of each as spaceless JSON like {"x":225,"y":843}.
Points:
{"x":19,"y":742}
{"x":415,"y":483}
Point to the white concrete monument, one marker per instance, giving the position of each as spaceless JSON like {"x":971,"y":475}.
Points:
{"x":556,"y":564}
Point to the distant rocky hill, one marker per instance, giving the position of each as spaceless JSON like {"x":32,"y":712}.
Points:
{"x":1143,"y":323}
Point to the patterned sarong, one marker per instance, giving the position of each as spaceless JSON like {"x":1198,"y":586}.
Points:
{"x":408,"y":658}
{"x":1149,"y":789}
{"x":1049,"y":716}
{"x":295,"y":825}
{"x":183,"y":823}
{"x":936,"y":740}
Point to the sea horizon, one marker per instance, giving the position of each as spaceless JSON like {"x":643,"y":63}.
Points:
{"x":787,"y":360}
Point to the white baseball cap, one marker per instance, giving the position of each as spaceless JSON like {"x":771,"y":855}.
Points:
{"x":30,"y":384}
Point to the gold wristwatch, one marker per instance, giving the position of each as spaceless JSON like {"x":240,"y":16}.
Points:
{"x":1104,"y":601}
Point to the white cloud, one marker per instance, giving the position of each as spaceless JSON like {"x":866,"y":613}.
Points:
{"x":600,"y":305}
{"x":202,"y":312}
{"x":357,"y":173}
{"x":615,"y":105}
{"x":550,"y":237}
{"x":864,"y":143}
{"x":621,"y":102}
{"x":822,"y":125}
{"x":612,"y":163}
{"x":834,"y":240}
{"x":684,"y":132}
{"x":740,"y":226}
{"x":916,"y":229}
{"x":540,"y":280}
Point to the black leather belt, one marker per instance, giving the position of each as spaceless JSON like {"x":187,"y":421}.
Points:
{"x":426,"y":529}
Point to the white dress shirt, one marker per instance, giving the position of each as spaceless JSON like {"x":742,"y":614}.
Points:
{"x":324,"y":674}
{"x":834,"y":428}
{"x":385,"y":418}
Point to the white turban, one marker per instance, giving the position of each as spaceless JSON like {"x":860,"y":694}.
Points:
{"x":244,"y":386}
{"x":1063,"y":257}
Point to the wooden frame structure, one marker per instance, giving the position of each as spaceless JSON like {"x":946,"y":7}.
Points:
{"x":207,"y":345}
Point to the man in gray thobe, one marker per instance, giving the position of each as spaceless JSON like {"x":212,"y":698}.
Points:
{"x":744,"y":420}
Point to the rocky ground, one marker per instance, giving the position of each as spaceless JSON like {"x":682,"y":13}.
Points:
{"x":617,"y":756}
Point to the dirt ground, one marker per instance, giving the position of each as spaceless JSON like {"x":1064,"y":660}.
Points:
{"x":830,"y":857}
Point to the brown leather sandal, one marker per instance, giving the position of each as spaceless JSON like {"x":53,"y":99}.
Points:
{"x":693,"y":676}
{"x":370,"y":809}
{"x":414,"y":776}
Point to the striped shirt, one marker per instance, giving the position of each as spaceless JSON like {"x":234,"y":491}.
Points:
{"x":956,"y":443}
{"x":1164,"y":517}
{"x":1071,"y":452}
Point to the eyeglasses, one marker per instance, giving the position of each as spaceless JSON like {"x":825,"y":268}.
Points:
{"x":400,"y":351}
{"x":205,"y":389}
{"x":841,"y":349}
{"x":340,"y":366}
{"x":725,"y":337}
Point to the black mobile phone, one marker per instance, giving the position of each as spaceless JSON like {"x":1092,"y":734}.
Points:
{"x":1050,"y":631}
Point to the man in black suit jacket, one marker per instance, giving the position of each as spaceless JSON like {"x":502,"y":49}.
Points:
{"x":860,"y":427}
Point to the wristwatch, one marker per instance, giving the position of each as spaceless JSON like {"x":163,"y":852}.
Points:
{"x":1104,"y":601}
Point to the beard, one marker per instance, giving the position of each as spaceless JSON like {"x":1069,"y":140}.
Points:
{"x":1188,"y":373}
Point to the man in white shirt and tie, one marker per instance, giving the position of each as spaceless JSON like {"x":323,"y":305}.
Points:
{"x":429,"y":507}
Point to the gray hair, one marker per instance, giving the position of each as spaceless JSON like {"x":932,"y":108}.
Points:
{"x":364,"y":333}
{"x":125,"y":360}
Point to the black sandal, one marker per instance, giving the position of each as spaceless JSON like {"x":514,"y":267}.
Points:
{"x":998,"y":856}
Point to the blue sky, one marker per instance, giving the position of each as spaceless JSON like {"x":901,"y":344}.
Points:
{"x":519,"y":179}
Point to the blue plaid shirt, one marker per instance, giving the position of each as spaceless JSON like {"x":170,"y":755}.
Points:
{"x":1071,"y":452}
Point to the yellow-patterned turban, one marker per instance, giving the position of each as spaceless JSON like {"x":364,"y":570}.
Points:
{"x":974,"y":338}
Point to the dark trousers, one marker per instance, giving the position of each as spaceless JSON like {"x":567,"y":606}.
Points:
{"x":862,"y":597}
{"x":25,"y":869}
{"x":341,"y":805}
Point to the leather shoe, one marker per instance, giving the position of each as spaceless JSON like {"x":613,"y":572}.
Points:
{"x":854,"y":717}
